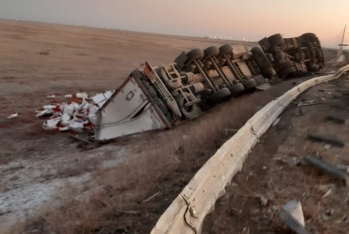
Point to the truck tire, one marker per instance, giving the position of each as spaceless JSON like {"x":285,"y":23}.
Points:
{"x":288,"y":70}
{"x":310,"y":36}
{"x":250,"y":84}
{"x":236,"y":89}
{"x":189,"y":112}
{"x":218,"y":96}
{"x":284,"y":65}
{"x":194,"y":54}
{"x":211,"y":51}
{"x":260,"y":57}
{"x":180,"y":60}
{"x":276,"y":40}
{"x":224,"y":49}
{"x":259,"y":79}
{"x":269,"y":72}
{"x":263,"y":62}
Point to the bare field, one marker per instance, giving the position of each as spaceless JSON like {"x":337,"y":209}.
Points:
{"x":47,"y":183}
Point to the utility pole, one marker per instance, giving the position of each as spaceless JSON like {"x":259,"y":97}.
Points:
{"x":341,"y":45}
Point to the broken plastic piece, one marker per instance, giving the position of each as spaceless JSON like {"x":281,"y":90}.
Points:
{"x":294,"y":208}
{"x":276,"y":122}
{"x":326,"y":194}
{"x":68,"y":96}
{"x":292,"y":215}
{"x":92,"y":114}
{"x":101,"y":98}
{"x":12,"y":116}
{"x":50,"y":124}
{"x":76,"y":126}
{"x":81,"y":95}
{"x":62,"y":129}
{"x":51,"y":96}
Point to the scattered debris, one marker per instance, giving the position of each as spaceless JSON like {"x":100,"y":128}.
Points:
{"x":306,"y":103}
{"x":129,"y":211}
{"x":325,"y":187}
{"x":326,"y":138}
{"x":51,"y":124}
{"x":327,"y":215}
{"x":280,"y":160}
{"x":343,"y":168}
{"x":276,"y":122}
{"x":80,"y":139}
{"x":294,"y":208}
{"x":76,"y":115}
{"x":292,"y":215}
{"x":328,"y":168}
{"x":326,"y":194}
{"x":12,"y":116}
{"x":51,"y":96}
{"x":295,"y":160}
{"x":327,"y":146}
{"x":263,"y":201}
{"x":264,"y":167}
{"x":337,"y":118}
{"x":44,"y":52}
{"x":264,"y":87}
{"x":151,"y":197}
{"x":81,"y":95}
{"x":101,"y":98}
{"x":230,"y":130}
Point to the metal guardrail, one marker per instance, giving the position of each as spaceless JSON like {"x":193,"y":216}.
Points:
{"x":186,"y":213}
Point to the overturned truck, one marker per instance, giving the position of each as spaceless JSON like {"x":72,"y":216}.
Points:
{"x":159,"y":97}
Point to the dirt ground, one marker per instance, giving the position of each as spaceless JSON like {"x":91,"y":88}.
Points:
{"x":37,"y":60}
{"x":274,"y":170}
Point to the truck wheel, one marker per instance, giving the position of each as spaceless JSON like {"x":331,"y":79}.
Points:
{"x":194,"y":54}
{"x":260,"y":57}
{"x":224,"y":49}
{"x":188,"y":111}
{"x":211,"y":51}
{"x":263,"y":62}
{"x":218,"y":96}
{"x":236,"y":89}
{"x":288,"y":70}
{"x":259,"y":79}
{"x":310,"y":36}
{"x":180,"y":60}
{"x":276,"y":40}
{"x":249,"y":84}
{"x":284,"y":65}
{"x":269,"y":72}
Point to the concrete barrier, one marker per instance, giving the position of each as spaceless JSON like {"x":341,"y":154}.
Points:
{"x":198,"y":198}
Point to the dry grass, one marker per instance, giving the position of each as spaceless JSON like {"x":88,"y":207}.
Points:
{"x":165,"y":162}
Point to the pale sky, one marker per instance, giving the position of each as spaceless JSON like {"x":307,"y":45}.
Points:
{"x":252,"y":19}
